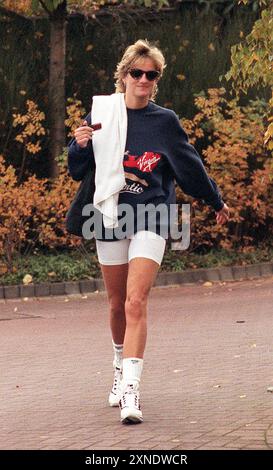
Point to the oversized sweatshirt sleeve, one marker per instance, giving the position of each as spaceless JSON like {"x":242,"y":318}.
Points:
{"x":188,"y":168}
{"x":80,"y":159}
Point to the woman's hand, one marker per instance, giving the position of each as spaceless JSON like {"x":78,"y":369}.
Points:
{"x":83,"y":134}
{"x":222,"y":216}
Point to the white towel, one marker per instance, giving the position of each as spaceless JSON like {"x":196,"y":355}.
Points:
{"x":109,"y":147}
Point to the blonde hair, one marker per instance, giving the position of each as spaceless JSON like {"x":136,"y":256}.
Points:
{"x":141,"y":49}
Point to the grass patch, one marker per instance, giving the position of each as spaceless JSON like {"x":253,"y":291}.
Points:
{"x":181,"y":260}
{"x":78,"y":264}
{"x":53,"y":267}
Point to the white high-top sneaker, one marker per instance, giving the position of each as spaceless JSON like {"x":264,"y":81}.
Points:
{"x":130,"y":412}
{"x":115,"y":394}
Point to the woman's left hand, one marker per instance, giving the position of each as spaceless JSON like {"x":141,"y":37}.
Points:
{"x":222,"y":216}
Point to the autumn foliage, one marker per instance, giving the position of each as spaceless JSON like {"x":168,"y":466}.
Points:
{"x":18,"y":211}
{"x":32,"y":212}
{"x":240,"y":164}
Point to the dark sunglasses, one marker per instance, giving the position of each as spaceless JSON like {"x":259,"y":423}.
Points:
{"x":137,"y":74}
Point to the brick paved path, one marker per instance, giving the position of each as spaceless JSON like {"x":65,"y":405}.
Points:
{"x":208,"y":364}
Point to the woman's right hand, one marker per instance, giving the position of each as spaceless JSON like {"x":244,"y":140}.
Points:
{"x":222,"y":216}
{"x":83,"y":134}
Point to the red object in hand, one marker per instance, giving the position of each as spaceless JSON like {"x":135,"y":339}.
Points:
{"x":95,"y":127}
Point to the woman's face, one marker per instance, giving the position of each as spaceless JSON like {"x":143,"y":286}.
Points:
{"x":141,"y":87}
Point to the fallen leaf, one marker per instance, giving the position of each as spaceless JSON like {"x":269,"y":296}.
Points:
{"x":51,"y":274}
{"x":211,"y":47}
{"x":3,"y":269}
{"x":27,"y":279}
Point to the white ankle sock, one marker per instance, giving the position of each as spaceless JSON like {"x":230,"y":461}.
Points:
{"x":118,"y":350}
{"x":132,"y":369}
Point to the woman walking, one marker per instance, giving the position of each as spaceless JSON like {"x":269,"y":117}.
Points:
{"x":157,"y":152}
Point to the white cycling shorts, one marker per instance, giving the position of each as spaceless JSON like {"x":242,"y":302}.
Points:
{"x":143,"y":244}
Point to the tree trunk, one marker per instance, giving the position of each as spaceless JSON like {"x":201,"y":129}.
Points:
{"x":57,"y":86}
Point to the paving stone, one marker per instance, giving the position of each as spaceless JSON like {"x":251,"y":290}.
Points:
{"x":57,"y":288}
{"x":160,"y":279}
{"x":87,"y":285}
{"x":99,"y":285}
{"x":27,"y":291}
{"x":239,"y":272}
{"x":42,"y":290}
{"x":199,"y":274}
{"x":186,"y":277}
{"x":172,"y":278}
{"x":266,"y":269}
{"x":212,"y":274}
{"x":253,"y":271}
{"x":72,"y":287}
{"x":226,"y":273}
{"x":11,"y":292}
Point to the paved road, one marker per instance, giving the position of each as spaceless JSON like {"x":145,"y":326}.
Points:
{"x":208,"y":364}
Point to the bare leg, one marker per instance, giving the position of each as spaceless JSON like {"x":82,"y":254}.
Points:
{"x":141,"y":275}
{"x":115,"y":279}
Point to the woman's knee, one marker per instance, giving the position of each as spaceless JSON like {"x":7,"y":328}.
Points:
{"x":117,"y":306}
{"x":135,"y":305}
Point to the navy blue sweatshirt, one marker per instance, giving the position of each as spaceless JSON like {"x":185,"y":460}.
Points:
{"x":157,"y":152}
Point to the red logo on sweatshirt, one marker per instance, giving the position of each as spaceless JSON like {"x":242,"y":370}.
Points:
{"x":146,"y":162}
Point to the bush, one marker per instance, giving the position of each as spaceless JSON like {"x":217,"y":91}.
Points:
{"x":236,"y":158}
{"x":32,"y":213}
{"x":54,"y":205}
{"x":18,"y":210}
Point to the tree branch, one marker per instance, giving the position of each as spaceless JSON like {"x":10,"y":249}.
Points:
{"x":45,"y":8}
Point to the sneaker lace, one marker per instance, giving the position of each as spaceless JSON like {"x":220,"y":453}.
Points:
{"x":117,"y":379}
{"x":130,"y":398}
